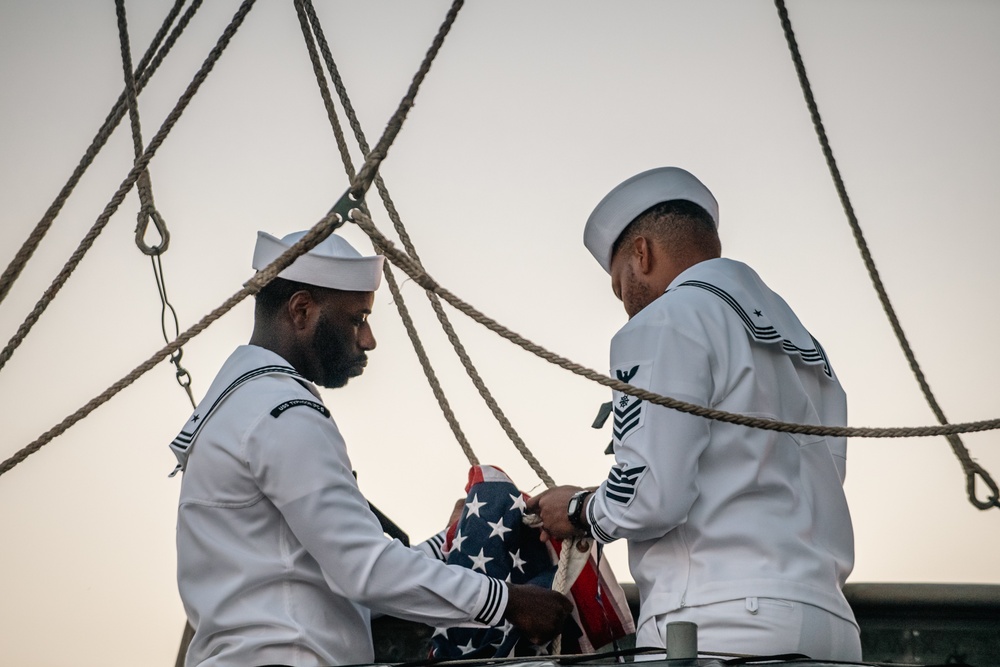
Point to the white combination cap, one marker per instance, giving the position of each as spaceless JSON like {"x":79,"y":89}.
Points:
{"x":333,"y":263}
{"x":624,"y":204}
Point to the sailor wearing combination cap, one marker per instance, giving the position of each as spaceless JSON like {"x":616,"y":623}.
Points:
{"x":744,"y":532}
{"x":279,"y":558}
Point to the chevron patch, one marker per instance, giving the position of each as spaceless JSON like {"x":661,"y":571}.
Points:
{"x":628,"y":411}
{"x":622,"y":481}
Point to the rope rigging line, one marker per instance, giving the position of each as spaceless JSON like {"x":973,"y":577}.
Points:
{"x":126,"y":186}
{"x":312,"y":37}
{"x":346,"y":208}
{"x":419,"y":276}
{"x":372,"y":161}
{"x":144,"y":71}
{"x":971,"y":468}
{"x":338,"y":214}
{"x":397,"y":296}
{"x":425,"y":364}
{"x":147,"y":209}
{"x":319,"y":231}
{"x":144,"y":185}
{"x":313,"y":33}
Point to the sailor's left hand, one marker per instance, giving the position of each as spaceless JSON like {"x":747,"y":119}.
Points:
{"x":551,"y":506}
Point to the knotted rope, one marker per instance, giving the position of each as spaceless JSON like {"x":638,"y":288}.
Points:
{"x":419,"y":276}
{"x":337,"y":215}
{"x":571,"y":558}
{"x":147,"y":209}
{"x":313,"y":32}
{"x":144,"y":185}
{"x":397,"y":296}
{"x":971,"y":468}
{"x":126,"y":186}
{"x":319,"y":231}
{"x":144,"y":71}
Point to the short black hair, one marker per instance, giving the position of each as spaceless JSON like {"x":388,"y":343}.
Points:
{"x":276,"y":293}
{"x":670,"y":218}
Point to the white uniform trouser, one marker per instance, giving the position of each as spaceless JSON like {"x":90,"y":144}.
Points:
{"x":761,"y":626}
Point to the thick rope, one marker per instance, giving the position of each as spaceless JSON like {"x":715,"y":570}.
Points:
{"x":147,"y":207}
{"x":307,"y":7}
{"x":425,"y":363}
{"x":147,"y":66}
{"x":417,"y":274}
{"x":322,"y":229}
{"x":397,"y":296}
{"x":130,"y":180}
{"x":972,"y":469}
{"x":319,"y":231}
{"x":569,"y":553}
{"x":573,"y":555}
{"x":395,"y":124}
{"x":144,"y":185}
{"x":305,"y":12}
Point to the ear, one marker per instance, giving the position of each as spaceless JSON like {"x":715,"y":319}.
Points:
{"x":643,"y":248}
{"x":301,"y":309}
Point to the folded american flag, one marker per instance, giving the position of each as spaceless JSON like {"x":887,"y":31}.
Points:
{"x":491,"y":537}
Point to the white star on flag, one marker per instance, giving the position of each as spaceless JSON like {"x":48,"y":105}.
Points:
{"x":479,"y":562}
{"x":456,"y":543}
{"x":468,"y":648}
{"x":516,"y":558}
{"x":474,"y":505}
{"x":498,"y":528}
{"x":518,"y":502}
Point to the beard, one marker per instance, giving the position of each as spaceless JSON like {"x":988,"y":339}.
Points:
{"x":636,"y":294}
{"x":338,"y":362}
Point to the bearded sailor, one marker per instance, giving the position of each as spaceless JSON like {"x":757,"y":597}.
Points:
{"x":279,"y":558}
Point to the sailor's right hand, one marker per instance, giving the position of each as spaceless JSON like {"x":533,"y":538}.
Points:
{"x":538,"y":612}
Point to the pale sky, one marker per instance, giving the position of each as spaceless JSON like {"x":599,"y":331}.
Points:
{"x":530,"y":114}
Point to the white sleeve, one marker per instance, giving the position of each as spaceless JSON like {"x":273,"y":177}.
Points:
{"x":300,"y":463}
{"x":433,"y":546}
{"x":653,"y":483}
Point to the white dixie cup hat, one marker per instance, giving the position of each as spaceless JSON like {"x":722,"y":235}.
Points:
{"x":631,"y":198}
{"x":332,"y":263}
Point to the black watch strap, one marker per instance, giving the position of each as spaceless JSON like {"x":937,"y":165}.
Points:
{"x":575,"y":510}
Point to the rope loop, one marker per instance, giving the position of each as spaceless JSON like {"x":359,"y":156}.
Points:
{"x":956,"y":443}
{"x":157,"y":51}
{"x":147,"y":213}
{"x":970,"y":479}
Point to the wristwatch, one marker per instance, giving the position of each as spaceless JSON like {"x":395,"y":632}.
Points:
{"x":575,"y":511}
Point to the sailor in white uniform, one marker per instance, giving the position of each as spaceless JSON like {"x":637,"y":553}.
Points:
{"x":744,"y":531}
{"x":279,"y":558}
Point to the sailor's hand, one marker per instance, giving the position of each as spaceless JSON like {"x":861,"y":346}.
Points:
{"x":551,"y":506}
{"x":538,"y":612}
